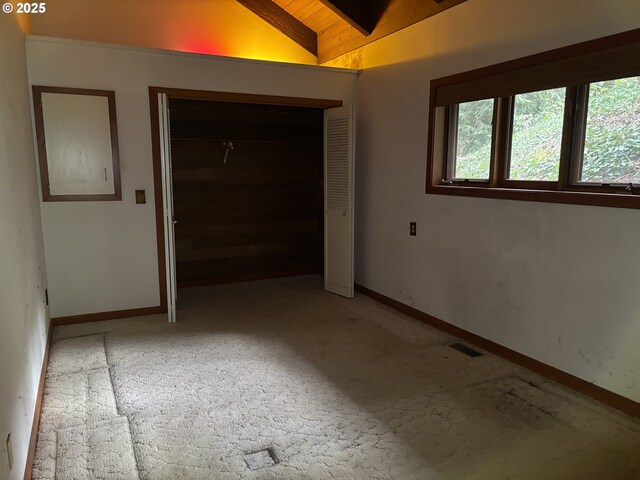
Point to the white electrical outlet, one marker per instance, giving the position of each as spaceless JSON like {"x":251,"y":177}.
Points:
{"x":9,"y":452}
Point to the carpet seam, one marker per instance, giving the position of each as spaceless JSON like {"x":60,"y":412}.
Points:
{"x":119,"y":410}
{"x":111,"y":383}
{"x":133,"y":448}
{"x":76,"y":372}
{"x":55,"y":466}
{"x":95,"y":334}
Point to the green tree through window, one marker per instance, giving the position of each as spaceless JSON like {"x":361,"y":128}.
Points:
{"x":473,"y":147}
{"x":536,"y":138}
{"x":612,"y":138}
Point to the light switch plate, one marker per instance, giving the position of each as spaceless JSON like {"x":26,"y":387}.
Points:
{"x":141,"y":196}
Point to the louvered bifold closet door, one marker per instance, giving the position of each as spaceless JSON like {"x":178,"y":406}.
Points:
{"x":338,"y":200}
{"x":167,"y":199}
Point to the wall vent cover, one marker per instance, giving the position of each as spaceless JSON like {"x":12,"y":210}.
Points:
{"x":465,"y":349}
{"x":261,"y":459}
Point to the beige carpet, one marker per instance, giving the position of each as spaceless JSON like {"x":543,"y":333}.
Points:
{"x":281,"y":380}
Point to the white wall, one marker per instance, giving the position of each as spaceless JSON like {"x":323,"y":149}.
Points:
{"x":23,"y":315}
{"x":101,"y":256}
{"x":559,"y":283}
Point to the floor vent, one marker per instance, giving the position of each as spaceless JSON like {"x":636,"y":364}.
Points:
{"x":466,"y":350}
{"x":261,"y":459}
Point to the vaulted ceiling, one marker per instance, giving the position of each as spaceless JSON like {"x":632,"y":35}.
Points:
{"x":330,"y":28}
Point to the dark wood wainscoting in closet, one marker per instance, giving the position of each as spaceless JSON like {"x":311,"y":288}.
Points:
{"x":259,"y":214}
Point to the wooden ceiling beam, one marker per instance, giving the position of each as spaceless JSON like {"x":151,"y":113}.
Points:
{"x":389,"y":17}
{"x":286,"y":23}
{"x":355,"y":12}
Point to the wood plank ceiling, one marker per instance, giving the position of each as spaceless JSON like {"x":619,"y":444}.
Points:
{"x":330,"y":28}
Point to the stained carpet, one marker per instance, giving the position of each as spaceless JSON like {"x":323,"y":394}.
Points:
{"x":280,"y":380}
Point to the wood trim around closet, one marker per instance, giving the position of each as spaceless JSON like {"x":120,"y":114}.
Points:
{"x":155,"y":147}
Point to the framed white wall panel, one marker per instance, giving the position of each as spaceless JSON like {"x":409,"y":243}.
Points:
{"x":77,"y":144}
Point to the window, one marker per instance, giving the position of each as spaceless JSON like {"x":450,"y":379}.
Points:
{"x":562,"y":126}
{"x":536,"y":135}
{"x":610,"y":152}
{"x":471,"y":132}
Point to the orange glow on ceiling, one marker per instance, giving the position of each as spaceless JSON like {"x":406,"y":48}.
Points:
{"x":229,"y":45}
{"x":214,"y":27}
{"x":229,"y":29}
{"x":198,"y":43}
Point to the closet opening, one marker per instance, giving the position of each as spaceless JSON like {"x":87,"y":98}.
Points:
{"x":247,"y":190}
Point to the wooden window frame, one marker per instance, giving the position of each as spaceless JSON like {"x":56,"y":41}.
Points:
{"x":42,"y":149}
{"x":452,"y":117}
{"x":505,"y":139}
{"x":613,"y":57}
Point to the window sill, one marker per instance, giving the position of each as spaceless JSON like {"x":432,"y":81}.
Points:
{"x":599,"y":199}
